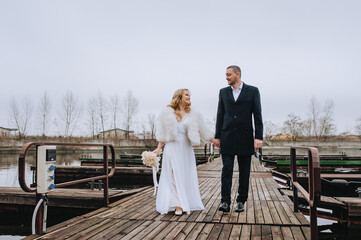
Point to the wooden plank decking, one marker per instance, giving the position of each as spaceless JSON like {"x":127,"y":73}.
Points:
{"x":267,"y":215}
{"x":62,"y":197}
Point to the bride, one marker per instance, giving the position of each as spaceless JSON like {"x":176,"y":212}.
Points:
{"x":179,"y":128}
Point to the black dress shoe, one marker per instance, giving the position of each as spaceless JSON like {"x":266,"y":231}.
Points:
{"x":224,"y":207}
{"x":240,"y":207}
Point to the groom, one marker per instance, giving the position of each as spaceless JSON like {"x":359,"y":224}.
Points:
{"x":237,"y":104}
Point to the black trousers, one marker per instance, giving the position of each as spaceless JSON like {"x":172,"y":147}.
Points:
{"x":244,"y":165}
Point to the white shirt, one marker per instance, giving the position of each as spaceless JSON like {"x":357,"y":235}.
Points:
{"x":237,"y":92}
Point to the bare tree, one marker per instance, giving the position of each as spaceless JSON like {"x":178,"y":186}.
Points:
{"x":101,"y":111}
{"x":293,"y":126}
{"x":270,"y":129}
{"x":358,"y":126}
{"x":43,"y":113}
{"x":151,"y":123}
{"x":148,"y":127}
{"x":326,"y":121}
{"x":69,"y":115}
{"x":92,"y":120}
{"x":307,"y":127}
{"x":129,"y":109}
{"x":321,"y":119}
{"x":314,"y":112}
{"x":20,"y":115}
{"x":115,"y":109}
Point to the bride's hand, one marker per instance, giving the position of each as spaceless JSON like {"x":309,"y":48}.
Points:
{"x":157,"y":151}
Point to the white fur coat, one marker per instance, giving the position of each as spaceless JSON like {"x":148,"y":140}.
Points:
{"x":166,"y":129}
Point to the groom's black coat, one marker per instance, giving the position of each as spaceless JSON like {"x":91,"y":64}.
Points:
{"x":234,"y":120}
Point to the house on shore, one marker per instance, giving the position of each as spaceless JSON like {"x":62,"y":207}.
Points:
{"x":147,"y":135}
{"x":117,"y":133}
{"x":6,"y":132}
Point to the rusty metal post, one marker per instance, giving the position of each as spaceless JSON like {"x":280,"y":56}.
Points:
{"x":314,"y":184}
{"x":313,"y":222}
{"x":39,"y":216}
{"x":205,"y":151}
{"x":260,"y":153}
{"x":21,"y":171}
{"x":310,"y":175}
{"x":313,"y":207}
{"x":106,"y":184}
{"x":294,"y":179}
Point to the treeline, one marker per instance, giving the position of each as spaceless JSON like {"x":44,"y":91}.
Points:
{"x":320,"y":123}
{"x":100,"y":113}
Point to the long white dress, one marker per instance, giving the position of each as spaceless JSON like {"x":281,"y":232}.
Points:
{"x":178,"y":184}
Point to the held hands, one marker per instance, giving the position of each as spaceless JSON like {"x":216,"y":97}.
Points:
{"x":216,"y":142}
{"x":257,"y":144}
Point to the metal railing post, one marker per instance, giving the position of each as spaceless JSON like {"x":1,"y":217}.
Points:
{"x":39,"y":216}
{"x":314,"y":185}
{"x":205,"y":151}
{"x":294,"y":179}
{"x":106,"y":184}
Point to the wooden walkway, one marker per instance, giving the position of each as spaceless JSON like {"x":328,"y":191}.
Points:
{"x":268,"y":214}
{"x":61,"y":197}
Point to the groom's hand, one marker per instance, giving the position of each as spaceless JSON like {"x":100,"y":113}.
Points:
{"x":257,"y":144}
{"x":216,"y":142}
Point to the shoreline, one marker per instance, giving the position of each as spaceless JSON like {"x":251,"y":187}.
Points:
{"x":336,"y":145}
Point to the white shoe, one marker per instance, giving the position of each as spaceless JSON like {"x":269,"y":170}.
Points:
{"x":178,"y":212}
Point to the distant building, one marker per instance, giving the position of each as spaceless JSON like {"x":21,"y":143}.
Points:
{"x":146,"y":135}
{"x":120,"y":133}
{"x":5,"y":132}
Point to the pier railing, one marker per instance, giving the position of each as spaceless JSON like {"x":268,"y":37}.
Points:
{"x":208,"y":156}
{"x":314,"y":185}
{"x":39,"y":219}
{"x":105,"y":175}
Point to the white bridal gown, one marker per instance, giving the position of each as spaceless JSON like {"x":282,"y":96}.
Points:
{"x":180,"y":188}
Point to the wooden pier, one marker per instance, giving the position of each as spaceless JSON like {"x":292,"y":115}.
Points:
{"x":268,"y":214}
{"x":61,"y":197}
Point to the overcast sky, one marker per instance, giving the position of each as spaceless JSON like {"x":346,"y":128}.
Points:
{"x":290,"y":50}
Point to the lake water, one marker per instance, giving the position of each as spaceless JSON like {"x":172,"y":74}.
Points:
{"x":9,"y":176}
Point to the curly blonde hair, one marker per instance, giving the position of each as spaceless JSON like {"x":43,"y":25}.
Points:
{"x":176,"y":100}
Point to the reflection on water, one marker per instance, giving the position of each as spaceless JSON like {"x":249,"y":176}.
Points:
{"x":9,"y":166}
{"x":11,"y":237}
